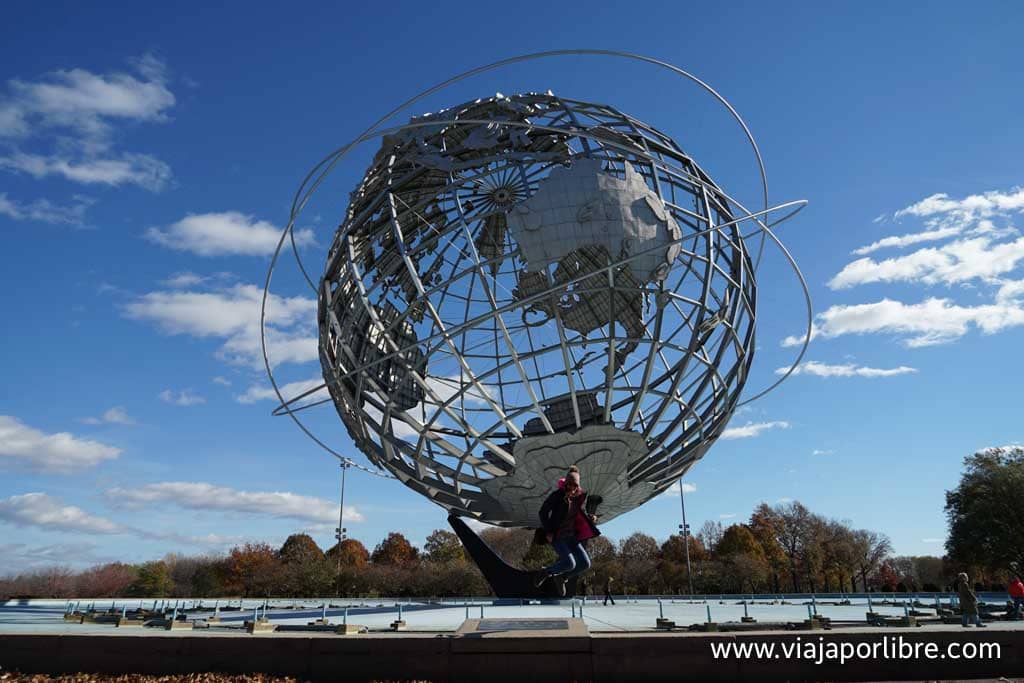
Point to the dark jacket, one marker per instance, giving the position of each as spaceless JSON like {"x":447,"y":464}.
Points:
{"x":968,"y":600}
{"x":555,"y":508}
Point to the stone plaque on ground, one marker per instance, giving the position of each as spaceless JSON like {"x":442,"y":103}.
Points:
{"x":523,"y":625}
{"x":523,"y":628}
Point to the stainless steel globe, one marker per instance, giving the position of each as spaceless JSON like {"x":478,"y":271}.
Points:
{"x":528,"y":282}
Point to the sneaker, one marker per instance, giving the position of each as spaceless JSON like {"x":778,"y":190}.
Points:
{"x":539,"y":579}
{"x":982,"y":625}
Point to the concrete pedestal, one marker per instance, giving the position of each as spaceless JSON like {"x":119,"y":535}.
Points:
{"x":261,"y":626}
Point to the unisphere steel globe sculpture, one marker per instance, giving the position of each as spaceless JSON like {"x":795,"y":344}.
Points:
{"x":526,"y":282}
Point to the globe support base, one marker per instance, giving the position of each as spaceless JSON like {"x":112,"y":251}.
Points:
{"x":505,"y":580}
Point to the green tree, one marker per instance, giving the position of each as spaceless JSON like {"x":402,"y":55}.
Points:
{"x":537,"y":556}
{"x":443,"y":546}
{"x":304,"y":570}
{"x":152,"y":580}
{"x":985,"y":511}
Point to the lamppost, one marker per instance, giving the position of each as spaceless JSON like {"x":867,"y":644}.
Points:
{"x":339,"y":533}
{"x":684,"y":529}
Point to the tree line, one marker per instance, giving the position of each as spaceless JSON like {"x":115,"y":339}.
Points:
{"x":785,"y":548}
{"x":780,"y":548}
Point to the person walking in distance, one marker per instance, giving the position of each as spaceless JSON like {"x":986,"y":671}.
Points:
{"x":608,"y":591}
{"x":968,"y":603}
{"x":567,"y":526}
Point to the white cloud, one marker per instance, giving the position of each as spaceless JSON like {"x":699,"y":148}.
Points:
{"x":142,"y":170}
{"x":84,"y":101}
{"x":727,"y":515}
{"x":233,"y":315}
{"x":19,"y":557}
{"x":752,"y":429}
{"x":223,"y":381}
{"x":45,"y":211}
{"x":673,"y":491}
{"x":933,"y":321}
{"x":226,"y":233}
{"x":259,"y":392}
{"x":42,"y":511}
{"x":813,"y":367}
{"x":184,"y":280}
{"x":818,"y":451}
{"x":204,"y":496}
{"x":60,"y":452}
{"x":115,"y":415}
{"x":784,"y":500}
{"x":932,"y":540}
{"x":184,"y":398}
{"x":976,"y":205}
{"x":71,"y":114}
{"x":987,"y":250}
{"x":953,"y":263}
{"x":900,"y":241}
{"x":46,"y":512}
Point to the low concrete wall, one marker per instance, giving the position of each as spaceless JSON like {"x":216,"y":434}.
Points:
{"x":612,"y":657}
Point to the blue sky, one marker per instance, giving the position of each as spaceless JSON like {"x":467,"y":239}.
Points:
{"x":148,"y":160}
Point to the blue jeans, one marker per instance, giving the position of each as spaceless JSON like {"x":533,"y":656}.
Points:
{"x":572,"y":559}
{"x":967,"y":618}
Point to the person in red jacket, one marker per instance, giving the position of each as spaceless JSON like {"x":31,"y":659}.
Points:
{"x":1016,"y":590}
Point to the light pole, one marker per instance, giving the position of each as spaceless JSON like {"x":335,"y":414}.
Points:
{"x":339,"y":533}
{"x":684,"y":529}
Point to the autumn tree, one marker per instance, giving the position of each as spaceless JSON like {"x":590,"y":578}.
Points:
{"x":254,"y":570}
{"x":743,"y":562}
{"x":304,"y":569}
{"x":105,"y":581}
{"x":869,"y":549}
{"x":511,"y":545}
{"x":299,"y":549}
{"x":639,"y":556}
{"x":839,"y":556}
{"x":394,"y":551}
{"x":353,"y":553}
{"x":709,"y":534}
{"x":765,"y":525}
{"x":793,"y":534}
